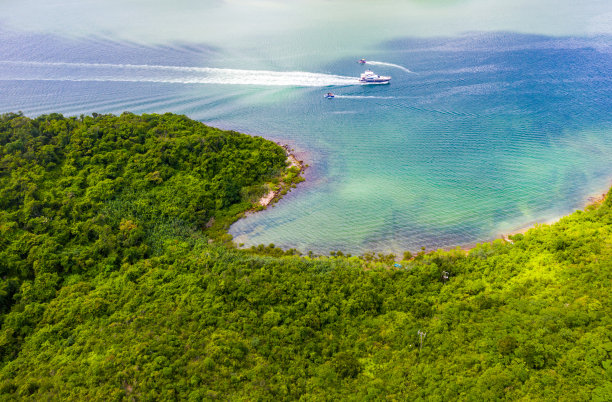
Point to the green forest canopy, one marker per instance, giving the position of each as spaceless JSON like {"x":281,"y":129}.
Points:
{"x":111,"y":288}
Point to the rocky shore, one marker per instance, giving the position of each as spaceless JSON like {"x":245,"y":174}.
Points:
{"x":292,"y":176}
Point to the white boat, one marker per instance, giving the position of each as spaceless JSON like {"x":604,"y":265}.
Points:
{"x":368,"y":77}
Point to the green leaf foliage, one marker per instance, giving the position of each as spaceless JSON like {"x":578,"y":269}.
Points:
{"x":111,"y":290}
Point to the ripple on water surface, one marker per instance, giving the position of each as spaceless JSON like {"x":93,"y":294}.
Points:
{"x":481,"y":136}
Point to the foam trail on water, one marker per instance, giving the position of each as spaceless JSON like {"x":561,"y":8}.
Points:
{"x":382,"y":63}
{"x":60,"y":71}
{"x":364,"y":97}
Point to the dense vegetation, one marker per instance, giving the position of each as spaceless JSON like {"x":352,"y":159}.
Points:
{"x":87,"y":195}
{"x":111,"y":289}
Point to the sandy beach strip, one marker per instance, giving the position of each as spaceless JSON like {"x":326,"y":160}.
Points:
{"x":272,"y":195}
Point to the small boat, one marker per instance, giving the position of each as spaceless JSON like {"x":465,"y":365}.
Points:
{"x":368,"y":77}
{"x":329,"y":95}
{"x":362,"y":61}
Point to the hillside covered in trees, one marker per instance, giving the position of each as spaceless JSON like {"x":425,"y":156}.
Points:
{"x":112,"y":289}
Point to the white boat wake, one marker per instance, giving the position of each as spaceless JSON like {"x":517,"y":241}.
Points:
{"x":363,"y":97}
{"x":59,"y":71}
{"x":382,"y":63}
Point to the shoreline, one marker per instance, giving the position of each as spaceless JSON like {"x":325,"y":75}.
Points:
{"x":592,"y":200}
{"x":274,"y":195}
{"x":286,"y":182}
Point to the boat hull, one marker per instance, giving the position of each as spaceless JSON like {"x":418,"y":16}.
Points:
{"x":369,"y":77}
{"x":382,"y":82}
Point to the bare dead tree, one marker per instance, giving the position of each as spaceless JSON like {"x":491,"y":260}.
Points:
{"x":421,"y":337}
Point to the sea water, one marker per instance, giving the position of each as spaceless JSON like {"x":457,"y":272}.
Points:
{"x":497,"y":116}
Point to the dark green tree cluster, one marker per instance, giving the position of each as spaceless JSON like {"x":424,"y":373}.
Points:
{"x":84,"y":195}
{"x":188,"y":320}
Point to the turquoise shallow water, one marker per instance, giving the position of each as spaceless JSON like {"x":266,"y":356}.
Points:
{"x":487,"y":131}
{"x":476,"y":144}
